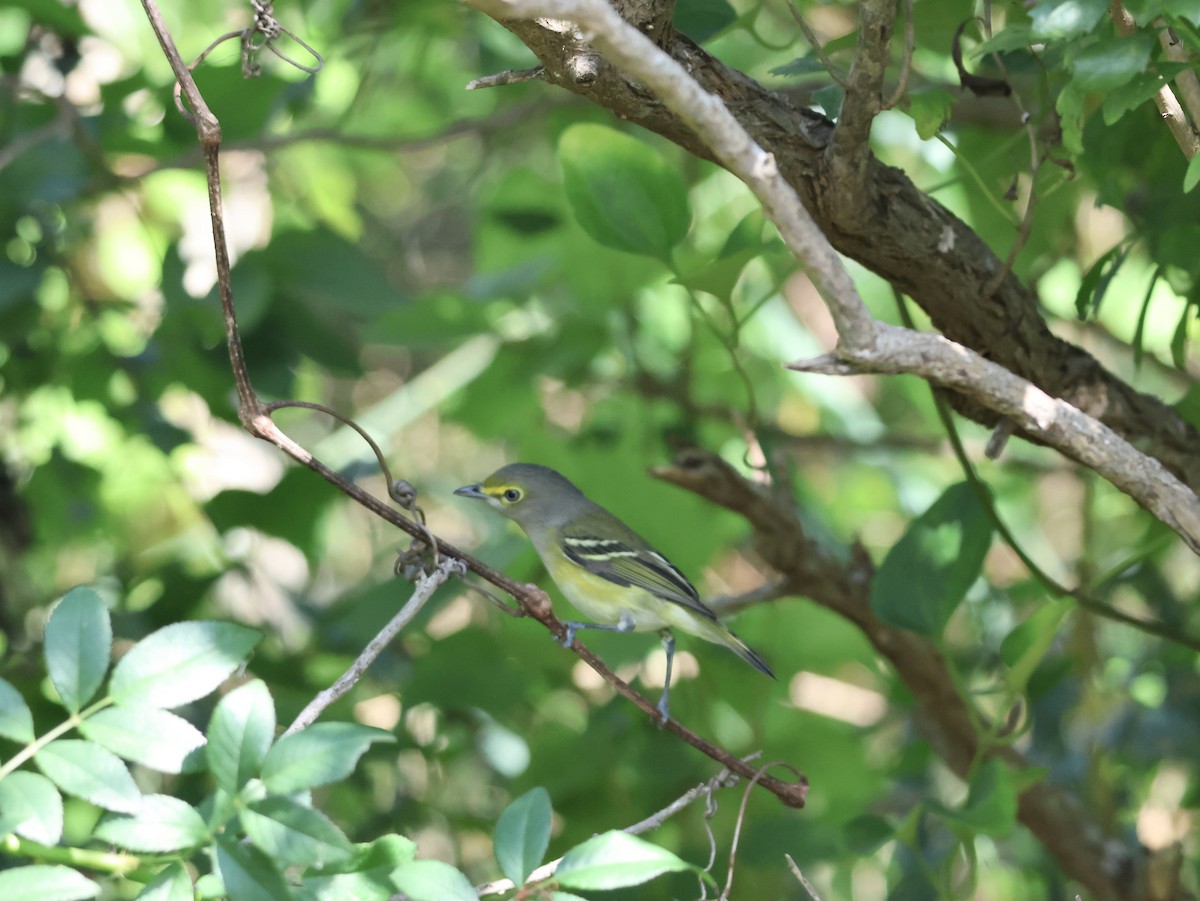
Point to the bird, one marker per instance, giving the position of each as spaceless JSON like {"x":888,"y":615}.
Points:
{"x":608,"y":571}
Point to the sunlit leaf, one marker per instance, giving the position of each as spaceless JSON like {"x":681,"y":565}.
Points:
{"x":161,"y":824}
{"x":78,"y":643}
{"x":432,"y":880}
{"x":16,"y":722}
{"x":615,"y":860}
{"x":523,"y":834}
{"x":240,"y":734}
{"x":88,"y":771}
{"x":31,"y":807}
{"x":318,"y":755}
{"x":46,"y":883}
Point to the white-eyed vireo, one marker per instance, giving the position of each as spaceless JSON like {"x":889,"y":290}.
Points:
{"x":604,"y":568}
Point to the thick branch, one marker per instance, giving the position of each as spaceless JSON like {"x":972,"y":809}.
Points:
{"x":910,"y":239}
{"x":848,"y":156}
{"x":1049,"y":811}
{"x":1061,"y":425}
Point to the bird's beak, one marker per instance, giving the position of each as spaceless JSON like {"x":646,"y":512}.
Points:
{"x":474,"y":491}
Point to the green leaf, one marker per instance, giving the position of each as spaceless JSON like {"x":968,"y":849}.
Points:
{"x":523,"y":834}
{"x":1025,"y":646}
{"x":623,"y":192}
{"x":45,"y":883}
{"x":991,"y":805}
{"x":180,"y":663}
{"x":240,"y":734}
{"x":365,"y":876}
{"x":929,"y":109}
{"x":78,"y":645}
{"x":147,"y":735}
{"x":1192,"y":176}
{"x":172,"y":884}
{"x":1060,"y":19}
{"x":702,"y":20}
{"x":1179,"y":338}
{"x":1071,"y":106}
{"x":866,"y":834}
{"x":927,"y":572}
{"x":248,"y":874}
{"x":1108,"y":64}
{"x":16,"y":722}
{"x":290,"y":832}
{"x":88,"y":771}
{"x":1096,"y":280}
{"x":161,"y":824}
{"x":615,"y":860}
{"x":318,"y":755}
{"x":1137,"y":91}
{"x":31,"y":807}
{"x":432,"y":880}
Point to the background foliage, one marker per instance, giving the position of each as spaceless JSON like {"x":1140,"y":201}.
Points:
{"x":508,"y":274}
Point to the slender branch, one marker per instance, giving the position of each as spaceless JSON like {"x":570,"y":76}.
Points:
{"x":1079,"y":436}
{"x":910,"y":40}
{"x":815,"y":43}
{"x":842,"y":584}
{"x":1164,"y":98}
{"x":424,"y":590}
{"x":507,"y":77}
{"x":1186,"y":81}
{"x":723,"y":779}
{"x":255,"y":418}
{"x":848,"y":156}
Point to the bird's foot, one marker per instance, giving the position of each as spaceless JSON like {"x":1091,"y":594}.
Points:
{"x":663,"y":708}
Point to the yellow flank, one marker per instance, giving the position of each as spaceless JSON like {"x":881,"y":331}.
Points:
{"x":603,"y":602}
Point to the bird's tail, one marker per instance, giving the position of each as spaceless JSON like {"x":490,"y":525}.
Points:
{"x":714,"y":631}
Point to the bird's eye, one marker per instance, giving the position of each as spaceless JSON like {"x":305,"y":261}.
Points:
{"x":512,"y":495}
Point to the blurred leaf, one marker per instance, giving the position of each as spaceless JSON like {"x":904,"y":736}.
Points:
{"x":240,"y":734}
{"x":1113,"y":62}
{"x":172,"y":884}
{"x":1179,"y":338}
{"x":318,"y":755}
{"x":248,"y":874}
{"x":295,"y":834}
{"x":866,"y":834}
{"x":161,"y":824}
{"x":31,"y":807}
{"x":16,"y":722}
{"x":88,"y":771}
{"x":46,"y":883}
{"x":991,"y":805}
{"x":830,"y":99}
{"x":146,"y":735}
{"x":929,"y":109}
{"x":615,"y":860}
{"x":623,"y":192}
{"x":1140,"y":89}
{"x":61,"y":20}
{"x":78,"y":644}
{"x":365,"y":876}
{"x":432,"y":880}
{"x":329,"y":274}
{"x":928,"y":571}
{"x":180,"y":663}
{"x":1096,"y":280}
{"x":1060,"y":19}
{"x":523,"y":834}
{"x":1024,"y":648}
{"x":701,"y":20}
{"x":1192,"y":176}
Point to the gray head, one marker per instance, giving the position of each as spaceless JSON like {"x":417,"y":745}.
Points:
{"x":528,"y":494}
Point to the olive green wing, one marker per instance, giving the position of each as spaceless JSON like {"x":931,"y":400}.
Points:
{"x":630,"y":562}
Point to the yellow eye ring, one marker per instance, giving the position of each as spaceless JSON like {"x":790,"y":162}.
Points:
{"x":511,"y":495}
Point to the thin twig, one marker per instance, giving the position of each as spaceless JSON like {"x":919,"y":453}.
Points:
{"x":815,"y":43}
{"x":507,"y":77}
{"x":906,"y":62}
{"x":808,"y":886}
{"x":723,"y":779}
{"x":424,"y":590}
{"x":1168,"y":106}
{"x":256,"y":420}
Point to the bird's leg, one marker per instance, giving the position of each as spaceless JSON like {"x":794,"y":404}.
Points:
{"x":668,"y":642}
{"x":624,"y":624}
